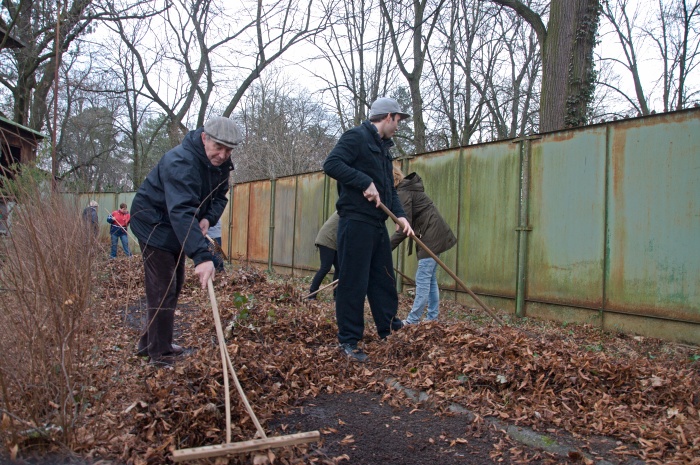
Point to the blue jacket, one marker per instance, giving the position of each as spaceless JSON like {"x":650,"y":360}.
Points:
{"x":359,"y":158}
{"x":183,"y":188}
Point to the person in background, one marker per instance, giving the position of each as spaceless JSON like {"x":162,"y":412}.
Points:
{"x":90,"y":218}
{"x":171,"y":213}
{"x":215,"y":234}
{"x":433,"y":231}
{"x":362,"y":166}
{"x":119,"y":221}
{"x":326,"y":240}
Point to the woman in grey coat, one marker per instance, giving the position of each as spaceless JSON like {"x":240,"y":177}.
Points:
{"x":433,"y":231}
{"x":326,"y":243}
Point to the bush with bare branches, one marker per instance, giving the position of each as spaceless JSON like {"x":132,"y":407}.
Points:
{"x":46,"y":275}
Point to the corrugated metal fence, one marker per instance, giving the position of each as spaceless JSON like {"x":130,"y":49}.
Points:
{"x":597,"y":225}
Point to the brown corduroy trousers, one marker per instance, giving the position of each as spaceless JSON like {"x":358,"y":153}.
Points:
{"x":165,"y":275}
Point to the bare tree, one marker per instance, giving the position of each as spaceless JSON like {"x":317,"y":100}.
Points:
{"x":659,"y":49}
{"x":566,"y":45}
{"x":678,"y":46}
{"x":623,"y":22}
{"x":201,"y":44}
{"x":356,"y":53}
{"x":143,"y":129}
{"x":485,"y":66}
{"x":510,"y":84}
{"x":284,"y":134}
{"x":87,"y":136}
{"x":28,"y":72}
{"x":413,"y":24}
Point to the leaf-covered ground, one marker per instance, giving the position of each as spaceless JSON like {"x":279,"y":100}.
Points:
{"x":574,"y":380}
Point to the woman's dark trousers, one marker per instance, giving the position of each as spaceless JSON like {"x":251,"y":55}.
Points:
{"x":328,"y":258}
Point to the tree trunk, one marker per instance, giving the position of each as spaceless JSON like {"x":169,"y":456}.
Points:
{"x":568,"y":75}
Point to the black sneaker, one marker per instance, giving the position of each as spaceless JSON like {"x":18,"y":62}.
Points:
{"x":396,"y":324}
{"x":352,"y":351}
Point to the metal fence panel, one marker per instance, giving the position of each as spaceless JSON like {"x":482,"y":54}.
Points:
{"x":654,"y":217}
{"x":567,"y":214}
{"x":285,"y":208}
{"x":240,"y":221}
{"x":488,"y":207}
{"x":310,"y":217}
{"x":612,"y":222}
{"x":259,"y":221}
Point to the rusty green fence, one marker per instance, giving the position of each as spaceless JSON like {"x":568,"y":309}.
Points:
{"x":594,"y":225}
{"x":597,"y":225}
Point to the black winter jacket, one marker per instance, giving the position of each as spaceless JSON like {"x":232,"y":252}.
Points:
{"x":359,"y":158}
{"x":182,"y":189}
{"x":424,"y":218}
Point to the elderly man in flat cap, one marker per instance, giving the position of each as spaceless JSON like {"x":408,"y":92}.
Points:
{"x":362,"y":166}
{"x":171,"y":213}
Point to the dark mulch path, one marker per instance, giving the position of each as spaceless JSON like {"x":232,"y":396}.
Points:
{"x":358,"y":428}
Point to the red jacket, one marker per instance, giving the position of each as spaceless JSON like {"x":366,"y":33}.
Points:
{"x":119,"y":219}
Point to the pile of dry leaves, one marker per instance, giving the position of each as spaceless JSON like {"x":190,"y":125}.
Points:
{"x":641,"y":391}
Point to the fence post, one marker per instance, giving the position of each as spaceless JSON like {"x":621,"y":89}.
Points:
{"x":271,"y":241}
{"x":294,"y":221}
{"x":523,"y":226}
{"x":231,"y":191}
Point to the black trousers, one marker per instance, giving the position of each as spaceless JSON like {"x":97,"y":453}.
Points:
{"x":366,"y":269}
{"x":329,"y":258}
{"x":165,"y":275}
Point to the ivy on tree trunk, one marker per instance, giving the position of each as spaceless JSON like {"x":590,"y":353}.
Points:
{"x":566,"y":45}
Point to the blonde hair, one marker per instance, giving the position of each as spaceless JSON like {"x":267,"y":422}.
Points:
{"x":93,"y":203}
{"x":398,"y":176}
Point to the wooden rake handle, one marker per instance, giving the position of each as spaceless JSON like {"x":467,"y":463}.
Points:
{"x":227,"y":365}
{"x":439,"y":262}
{"x":320,"y":289}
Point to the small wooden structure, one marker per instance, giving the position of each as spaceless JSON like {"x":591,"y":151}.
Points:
{"x":18,"y":146}
{"x":8,"y":41}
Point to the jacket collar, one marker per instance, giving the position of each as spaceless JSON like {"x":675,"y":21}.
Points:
{"x":385,"y":144}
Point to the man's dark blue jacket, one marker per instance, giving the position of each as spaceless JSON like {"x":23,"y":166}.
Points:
{"x":359,"y":158}
{"x":183,"y":188}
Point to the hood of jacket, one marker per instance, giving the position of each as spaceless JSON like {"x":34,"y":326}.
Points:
{"x":412,"y":183}
{"x":428,"y":225}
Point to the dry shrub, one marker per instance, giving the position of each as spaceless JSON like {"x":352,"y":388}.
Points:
{"x":46,"y":274}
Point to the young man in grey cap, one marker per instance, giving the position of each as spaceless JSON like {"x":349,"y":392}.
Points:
{"x":170,"y":215}
{"x":362,"y":166}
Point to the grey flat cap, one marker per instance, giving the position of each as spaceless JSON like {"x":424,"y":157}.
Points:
{"x":385,"y":105}
{"x":224,"y":131}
